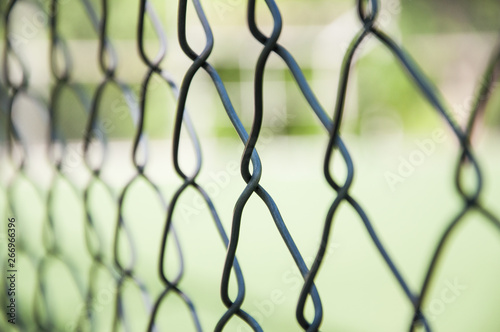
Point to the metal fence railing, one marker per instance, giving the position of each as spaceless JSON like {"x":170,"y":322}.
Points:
{"x":120,"y":267}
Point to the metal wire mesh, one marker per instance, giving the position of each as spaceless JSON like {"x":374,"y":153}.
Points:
{"x":122,"y":269}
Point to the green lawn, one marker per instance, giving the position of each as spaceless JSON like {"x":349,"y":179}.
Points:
{"x":358,"y":291}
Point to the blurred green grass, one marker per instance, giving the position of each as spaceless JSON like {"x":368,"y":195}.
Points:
{"x":357,"y":290}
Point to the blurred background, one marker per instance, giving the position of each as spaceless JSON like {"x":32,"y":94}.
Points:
{"x":404,"y":156}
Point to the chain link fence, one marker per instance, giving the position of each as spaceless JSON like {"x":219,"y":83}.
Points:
{"x":118,"y":260}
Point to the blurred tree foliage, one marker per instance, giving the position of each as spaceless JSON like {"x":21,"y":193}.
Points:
{"x":381,"y":82}
{"x":448,"y":16}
